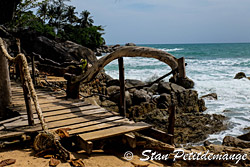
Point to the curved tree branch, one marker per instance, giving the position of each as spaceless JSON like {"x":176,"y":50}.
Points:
{"x":126,"y":51}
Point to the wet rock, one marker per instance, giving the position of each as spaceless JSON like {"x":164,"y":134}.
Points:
{"x":184,"y":82}
{"x":210,"y":96}
{"x":240,"y":75}
{"x":130,"y":44}
{"x":140,"y":96}
{"x":227,"y":111}
{"x":235,"y":142}
{"x":167,"y":87}
{"x":134,"y":82}
{"x":244,"y":137}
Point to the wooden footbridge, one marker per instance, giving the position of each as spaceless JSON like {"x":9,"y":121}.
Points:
{"x":88,"y":122}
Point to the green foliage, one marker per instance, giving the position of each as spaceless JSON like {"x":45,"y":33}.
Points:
{"x":56,"y":19}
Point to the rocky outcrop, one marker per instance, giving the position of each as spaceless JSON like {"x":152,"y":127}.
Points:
{"x":61,"y":52}
{"x":235,"y":142}
{"x":185,"y":100}
{"x":240,"y":75}
{"x":107,"y":49}
{"x":189,"y":127}
{"x":79,"y":52}
{"x":130,"y":44}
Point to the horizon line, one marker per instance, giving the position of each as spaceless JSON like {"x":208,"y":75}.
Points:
{"x":183,"y":43}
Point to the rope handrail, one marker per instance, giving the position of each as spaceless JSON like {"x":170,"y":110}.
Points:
{"x":21,"y":59}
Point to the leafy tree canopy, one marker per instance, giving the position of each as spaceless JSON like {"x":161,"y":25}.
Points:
{"x":54,"y":18}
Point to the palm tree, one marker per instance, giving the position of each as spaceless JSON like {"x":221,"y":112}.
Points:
{"x":71,"y":14}
{"x":43,"y":11}
{"x":86,"y":20}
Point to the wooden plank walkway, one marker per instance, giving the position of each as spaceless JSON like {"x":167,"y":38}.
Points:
{"x":87,"y":121}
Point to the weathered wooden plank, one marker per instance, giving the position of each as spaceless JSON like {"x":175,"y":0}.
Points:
{"x":69,"y":123}
{"x":56,"y":111}
{"x":87,"y":116}
{"x":56,"y":106}
{"x":84,"y":121}
{"x":10,"y":120}
{"x":115,"y":131}
{"x":99,"y":126}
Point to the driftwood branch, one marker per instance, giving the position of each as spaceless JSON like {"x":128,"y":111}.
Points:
{"x":128,"y":51}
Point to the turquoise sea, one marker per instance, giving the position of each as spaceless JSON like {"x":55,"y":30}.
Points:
{"x":212,"y":67}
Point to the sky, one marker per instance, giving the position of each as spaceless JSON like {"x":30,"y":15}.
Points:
{"x":170,"y":21}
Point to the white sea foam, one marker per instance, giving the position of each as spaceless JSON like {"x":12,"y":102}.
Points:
{"x":171,"y":50}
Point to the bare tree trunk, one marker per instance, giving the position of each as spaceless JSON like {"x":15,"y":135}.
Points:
{"x":5,"y":91}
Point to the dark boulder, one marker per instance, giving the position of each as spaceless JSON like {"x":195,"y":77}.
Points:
{"x":210,"y":96}
{"x":134,"y":82}
{"x":130,"y":44}
{"x":167,"y":87}
{"x":240,"y":75}
{"x":50,"y":49}
{"x":113,"y":82}
{"x":184,"y":82}
{"x":140,"y":96}
{"x":79,"y":52}
{"x":153,"y":89}
{"x":114,"y":94}
{"x":244,"y":137}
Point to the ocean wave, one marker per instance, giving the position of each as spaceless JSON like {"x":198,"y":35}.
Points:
{"x":171,"y":50}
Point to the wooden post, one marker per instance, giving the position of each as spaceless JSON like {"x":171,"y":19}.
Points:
{"x":33,"y":70}
{"x":181,"y":67}
{"x":5,"y":86}
{"x":27,"y":98}
{"x":17,"y":71}
{"x":171,"y":120}
{"x":72,"y":89}
{"x":122,"y":107}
